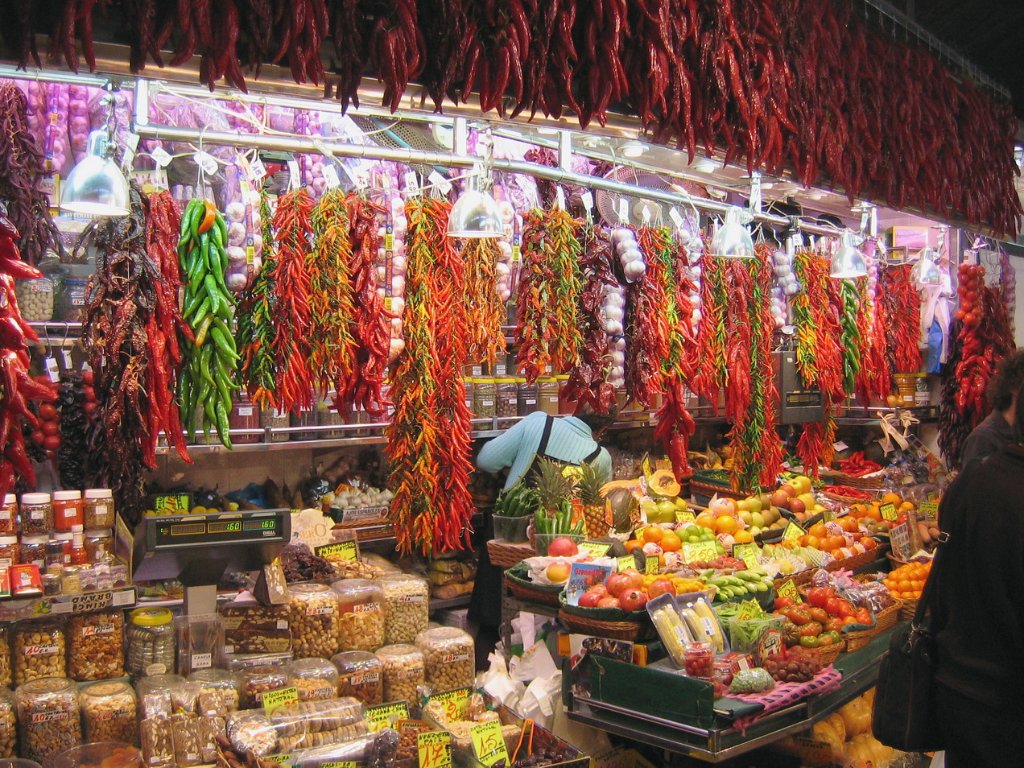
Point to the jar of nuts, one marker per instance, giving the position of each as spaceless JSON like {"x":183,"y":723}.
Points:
{"x":38,"y":651}
{"x":359,"y":676}
{"x":219,"y":691}
{"x":314,"y":679}
{"x":402,"y":669}
{"x":161,"y":695}
{"x":5,"y":657}
{"x":407,"y":608}
{"x":361,"y":624}
{"x":48,"y":717}
{"x":449,"y":658}
{"x":151,"y":642}
{"x":258,"y":680}
{"x":96,"y":646}
{"x":108,"y":712}
{"x":314,"y":620}
{"x":8,"y":724}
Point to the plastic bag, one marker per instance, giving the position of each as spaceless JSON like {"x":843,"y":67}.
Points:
{"x":753,"y":680}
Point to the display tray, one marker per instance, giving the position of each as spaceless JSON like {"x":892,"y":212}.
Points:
{"x":18,"y":608}
{"x":519,"y":585}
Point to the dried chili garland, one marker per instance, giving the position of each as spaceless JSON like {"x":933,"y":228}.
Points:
{"x":902,"y":311}
{"x":429,"y":434}
{"x":255,"y":333}
{"x":874,"y":380}
{"x":711,"y":372}
{"x":485,"y":311}
{"x":332,"y":308}
{"x":647,"y":328}
{"x":547,"y":328}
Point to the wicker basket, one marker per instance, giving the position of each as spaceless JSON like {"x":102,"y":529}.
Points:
{"x":884,"y":619}
{"x":524,"y":589}
{"x":798,"y":579}
{"x":908,"y":608}
{"x":505,"y":555}
{"x":697,"y":488}
{"x":855,"y":562}
{"x":617,"y":630}
{"x":825,"y":656}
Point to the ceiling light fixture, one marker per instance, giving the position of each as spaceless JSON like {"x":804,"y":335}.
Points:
{"x":847,"y":262}
{"x":733,"y":240}
{"x":632,"y":148}
{"x":925,"y":271}
{"x":96,"y":186}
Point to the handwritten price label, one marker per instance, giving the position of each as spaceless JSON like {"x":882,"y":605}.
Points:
{"x":274,"y":700}
{"x":381,"y":717}
{"x":888,"y":512}
{"x":340,"y":764}
{"x":651,"y":564}
{"x":793,"y":531}
{"x":684,"y":516}
{"x":700,"y":551}
{"x":454,"y":702}
{"x":341,"y":550}
{"x":929,"y":509}
{"x":488,"y":743}
{"x":171,"y":504}
{"x":788,"y":589}
{"x":594,"y":548}
{"x":622,"y":563}
{"x":434,"y":749}
{"x":281,"y":759}
{"x":748,"y":553}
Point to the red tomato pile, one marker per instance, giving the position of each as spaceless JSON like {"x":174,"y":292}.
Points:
{"x":819,"y":622}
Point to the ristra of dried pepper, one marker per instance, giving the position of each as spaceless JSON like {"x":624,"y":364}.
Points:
{"x":848,"y":294}
{"x":293,"y":229}
{"x":485,"y":311}
{"x":873,"y":381}
{"x":255,"y":333}
{"x":647,"y":328}
{"x":712,"y":373}
{"x":332,"y":346}
{"x":903,"y":312}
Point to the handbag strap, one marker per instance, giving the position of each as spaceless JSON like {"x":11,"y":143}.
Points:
{"x":923,"y":614}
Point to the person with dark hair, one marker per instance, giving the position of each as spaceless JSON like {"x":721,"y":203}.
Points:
{"x":997,"y":430}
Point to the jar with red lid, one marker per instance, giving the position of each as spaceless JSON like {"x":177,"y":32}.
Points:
{"x":9,"y":515}
{"x":68,"y":510}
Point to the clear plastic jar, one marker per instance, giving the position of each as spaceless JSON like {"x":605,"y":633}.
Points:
{"x":160,"y":695}
{"x":245,"y":415}
{"x":304,"y":418}
{"x":99,"y":545}
{"x":99,"y":508}
{"x":65,"y":540}
{"x":314,"y":679}
{"x":526,"y":397}
{"x":258,"y":680}
{"x":449,"y":657}
{"x":407,"y":608}
{"x":314,"y":620}
{"x":70,"y":307}
{"x":38,"y":651}
{"x":219,"y":691}
{"x":9,"y":515}
{"x":360,"y":675}
{"x":8,"y":724}
{"x":10,"y":551}
{"x":48,"y":715}
{"x":699,"y":660}
{"x":108,"y":712}
{"x":273,"y":419}
{"x":54,"y":557}
{"x":36,"y":514}
{"x":485,"y":393}
{"x":547,"y":395}
{"x":33,"y":550}
{"x":361,"y":623}
{"x":402,"y":671}
{"x":507,"y":402}
{"x":5,"y":658}
{"x":35,"y":299}
{"x":68,"y":510}
{"x":96,"y":646}
{"x":151,"y":642}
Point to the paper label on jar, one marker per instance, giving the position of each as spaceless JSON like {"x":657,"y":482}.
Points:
{"x":410,"y":599}
{"x":282,"y":624}
{"x":156,"y":669}
{"x":366,"y":608}
{"x":102,"y":715}
{"x":454,"y":658}
{"x":245,"y":411}
{"x":319,"y":610}
{"x":50,"y":717}
{"x":319,"y":692}
{"x":37,"y":514}
{"x":202,"y":660}
{"x":41,"y":650}
{"x":97,"y":629}
{"x":364,"y":678}
{"x":530,"y":402}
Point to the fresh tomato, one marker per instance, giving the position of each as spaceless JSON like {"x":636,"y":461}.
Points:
{"x":818,"y":614}
{"x":811,"y":629}
{"x":809,"y":642}
{"x":832,"y":606}
{"x":828,"y":638}
{"x":834,"y":624}
{"x":863,"y":616}
{"x":846,"y":608}
{"x":797,"y":615}
{"x":783,"y":602}
{"x":819,"y":596}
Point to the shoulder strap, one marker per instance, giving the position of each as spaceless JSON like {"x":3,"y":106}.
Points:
{"x":593,"y":455}
{"x":542,"y":447}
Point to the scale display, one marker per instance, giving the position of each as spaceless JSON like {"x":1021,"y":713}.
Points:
{"x":192,"y":530}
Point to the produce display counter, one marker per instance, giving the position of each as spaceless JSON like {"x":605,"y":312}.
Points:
{"x":721,"y":740}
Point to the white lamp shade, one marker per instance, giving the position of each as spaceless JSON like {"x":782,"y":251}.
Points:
{"x":475,"y":214}
{"x":96,"y":186}
{"x":733,"y":240}
{"x":847,"y":262}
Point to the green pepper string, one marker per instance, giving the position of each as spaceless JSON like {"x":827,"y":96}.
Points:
{"x":851,"y":338}
{"x":255,"y":322}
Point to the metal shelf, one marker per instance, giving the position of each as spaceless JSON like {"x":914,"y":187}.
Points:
{"x":17,"y":609}
{"x":449,"y":604}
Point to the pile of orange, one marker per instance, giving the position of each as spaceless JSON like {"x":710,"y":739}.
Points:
{"x":907,"y":581}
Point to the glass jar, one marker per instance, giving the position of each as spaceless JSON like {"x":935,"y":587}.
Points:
{"x":313,"y":617}
{"x":407,"y":609}
{"x":485,"y":392}
{"x":547,"y":395}
{"x":99,"y":545}
{"x":467,"y":387}
{"x":507,"y":402}
{"x":449,"y":658}
{"x":314,"y":679}
{"x":36,"y":514}
{"x":70,"y":304}
{"x":38,"y":651}
{"x":54,"y":556}
{"x":99,"y":508}
{"x":35,"y":299}
{"x":48,"y":715}
{"x":108,"y":712}
{"x":68,"y":510}
{"x":151,"y":642}
{"x":33,"y":550}
{"x":9,"y":551}
{"x":71,"y":580}
{"x":245,"y":415}
{"x":51,"y":584}
{"x":361,"y":624}
{"x":79,"y":554}
{"x":9,"y":515}
{"x":526,"y":397}
{"x":273,"y":419}
{"x":8,"y":724}
{"x":306,"y":417}
{"x":402,"y":671}
{"x":65,"y":540}
{"x":359,"y":676}
{"x":565,"y":405}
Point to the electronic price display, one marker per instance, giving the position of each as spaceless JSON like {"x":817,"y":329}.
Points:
{"x":229,"y":528}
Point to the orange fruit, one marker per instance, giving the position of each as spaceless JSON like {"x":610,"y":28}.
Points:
{"x":653,"y":533}
{"x":670,"y":542}
{"x":812,"y":541}
{"x":848,"y":524}
{"x":743,"y":537}
{"x":706,"y":520}
{"x":631,"y":545}
{"x":727,"y":524}
{"x":818,"y":529}
{"x":835,"y":542}
{"x":891,"y":498}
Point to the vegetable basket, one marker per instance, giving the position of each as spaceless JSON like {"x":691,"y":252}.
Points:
{"x":605,"y":622}
{"x":825,"y":656}
{"x":519,"y":584}
{"x":884,"y":619}
{"x":504,"y":554}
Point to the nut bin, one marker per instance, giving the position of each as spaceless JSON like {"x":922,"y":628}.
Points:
{"x":38,"y":651}
{"x":258,"y":680}
{"x":314,"y":620}
{"x":96,"y":646}
{"x":360,"y":676}
{"x":48,"y":717}
{"x":407,"y":608}
{"x":449,"y":657}
{"x":5,"y":657}
{"x":361,"y":625}
{"x":151,"y":642}
{"x":402,"y":671}
{"x":219,"y":691}
{"x":108,"y":712}
{"x":8,"y":724}
{"x":313,"y":679}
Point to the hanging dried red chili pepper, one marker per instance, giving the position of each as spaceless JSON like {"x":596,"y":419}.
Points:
{"x":255,"y":316}
{"x":711,"y":373}
{"x":647,"y":327}
{"x":903,"y":313}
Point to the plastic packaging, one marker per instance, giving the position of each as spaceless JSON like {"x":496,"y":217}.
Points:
{"x":314,"y":679}
{"x":5,"y":657}
{"x":258,"y":680}
{"x":152,"y":645}
{"x":701,"y":620}
{"x":360,"y":676}
{"x":314,"y":620}
{"x":36,"y":514}
{"x":310,"y":724}
{"x":108,"y":712}
{"x":157,"y":741}
{"x":95,"y":646}
{"x":200,"y":639}
{"x":751,"y":681}
{"x":109,"y":754}
{"x":407,"y":607}
{"x":38,"y":651}
{"x":99,"y":510}
{"x":68,"y":510}
{"x":251,"y":731}
{"x":160,"y":695}
{"x":9,"y":515}
{"x":35,"y":299}
{"x":8,"y":724}
{"x":362,"y":619}
{"x":48,"y":716}
{"x":699,"y":660}
{"x":219,"y":691}
{"x":448,"y":656}
{"x":403,"y":671}
{"x":255,"y":628}
{"x":671,"y":628}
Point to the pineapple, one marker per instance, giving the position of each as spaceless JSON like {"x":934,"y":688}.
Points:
{"x":595,"y":517}
{"x":553,"y":487}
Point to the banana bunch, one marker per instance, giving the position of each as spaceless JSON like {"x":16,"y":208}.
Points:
{"x":518,"y":501}
{"x":740,"y":584}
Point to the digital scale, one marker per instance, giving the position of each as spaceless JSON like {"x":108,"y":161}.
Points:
{"x":198,"y":549}
{"x":797,"y":405}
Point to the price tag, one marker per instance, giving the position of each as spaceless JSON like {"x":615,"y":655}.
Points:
{"x":454,"y":702}
{"x":700,"y":551}
{"x":788,"y":589}
{"x":440,"y":182}
{"x":834,"y":529}
{"x":685,"y":516}
{"x":588,"y":200}
{"x":488,"y":743}
{"x":434,"y":749}
{"x":792,"y":531}
{"x":281,"y":759}
{"x":206,"y":161}
{"x":412,"y":183}
{"x":173,"y":503}
{"x":293,"y":174}
{"x":676,"y":217}
{"x":840,"y":446}
{"x":202,"y":661}
{"x":331,"y":180}
{"x":250,"y":254}
{"x":622,"y":563}
{"x":748,"y":553}
{"x":651,"y":564}
{"x":340,"y":550}
{"x":65,"y":356}
{"x":560,"y":197}
{"x":594,"y":548}
{"x":646,"y":215}
{"x":899,"y":538}
{"x":380,"y":717}
{"x":160,"y":157}
{"x":828,"y":515}
{"x":340,"y":764}
{"x":122,"y":598}
{"x":365,"y":516}
{"x":623,"y":210}
{"x":257,"y":170}
{"x":51,"y":369}
{"x":929,"y":509}
{"x":274,"y":700}
{"x":889,"y":512}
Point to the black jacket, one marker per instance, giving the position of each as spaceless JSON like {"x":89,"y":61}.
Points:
{"x":991,"y":436}
{"x":980,"y":581}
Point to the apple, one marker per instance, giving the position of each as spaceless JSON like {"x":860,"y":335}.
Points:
{"x":590,"y":599}
{"x":781,"y":499}
{"x":660,"y":587}
{"x":562,"y":546}
{"x":796,"y":506}
{"x":618,"y":583}
{"x":633,"y":600}
{"x":558,"y":572}
{"x":609,"y":602}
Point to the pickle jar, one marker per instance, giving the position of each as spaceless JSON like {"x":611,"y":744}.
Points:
{"x":99,"y":508}
{"x":68,"y":510}
{"x":36,"y":514}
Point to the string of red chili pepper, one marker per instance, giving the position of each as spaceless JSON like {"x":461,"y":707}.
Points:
{"x":255,"y":315}
{"x":165,"y":324}
{"x":429,"y":433}
{"x":711,"y":373}
{"x":903,"y":312}
{"x":874,"y":380}
{"x":647,"y":327}
{"x":485,"y":311}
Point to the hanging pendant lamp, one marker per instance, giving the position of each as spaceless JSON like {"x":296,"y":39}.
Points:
{"x":96,"y":186}
{"x":847,"y":262}
{"x":733,"y":240}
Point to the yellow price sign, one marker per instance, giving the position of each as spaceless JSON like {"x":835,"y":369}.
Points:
{"x":434,"y":749}
{"x":929,"y":509}
{"x":488,"y":743}
{"x":454,"y":702}
{"x":274,"y":700}
{"x":340,"y":550}
{"x":750,"y":554}
{"x":594,"y":548}
{"x":685,"y":516}
{"x":788,"y":589}
{"x":792,"y":531}
{"x":340,"y":764}
{"x":700,"y":551}
{"x":651,"y":564}
{"x":889,"y":512}
{"x":383,"y":716}
{"x":622,"y":563}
